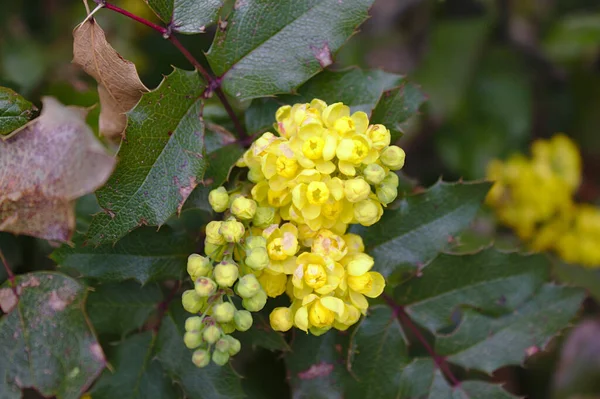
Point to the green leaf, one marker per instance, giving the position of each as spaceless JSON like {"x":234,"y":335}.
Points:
{"x":410,"y":236}
{"x":490,"y":281}
{"x":121,"y":308}
{"x":314,"y":366}
{"x":397,"y":106}
{"x":416,"y":378}
{"x":380,"y":356}
{"x":136,"y":373}
{"x":573,"y":37}
{"x":578,"y":276}
{"x":211,"y":382}
{"x":372,"y":91}
{"x":262,"y":335}
{"x":440,"y":389}
{"x":45,"y":339}
{"x":161,"y":160}
{"x":144,"y":255}
{"x":486,"y":343}
{"x":272,"y":46}
{"x":223,"y":151}
{"x":15,"y":111}
{"x":187,"y":16}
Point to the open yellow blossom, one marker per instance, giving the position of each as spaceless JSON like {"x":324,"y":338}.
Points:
{"x":316,"y":273}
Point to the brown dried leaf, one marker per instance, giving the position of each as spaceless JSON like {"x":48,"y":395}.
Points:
{"x":49,"y":163}
{"x":119,"y":85}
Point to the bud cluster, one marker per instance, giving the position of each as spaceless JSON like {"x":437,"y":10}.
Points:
{"x":535,"y":197}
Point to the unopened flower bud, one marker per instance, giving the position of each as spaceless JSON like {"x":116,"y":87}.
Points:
{"x":223,"y":312}
{"x":234,"y":346}
{"x":281,"y":319}
{"x":232,"y":230}
{"x":243,"y":208}
{"x":243,"y":320}
{"x":220,"y":358}
{"x":264,"y":217}
{"x":192,"y":339}
{"x":391,"y":179}
{"x":255,"y":303}
{"x":393,"y":157}
{"x":356,"y":190}
{"x":211,"y":334}
{"x":198,"y":266}
{"x":226,"y":274}
{"x":367,"y":212}
{"x":215,"y":252}
{"x":228,"y":328}
{"x":248,"y":286}
{"x":255,"y":242}
{"x":374,"y":173}
{"x":213,"y":234}
{"x":192,"y":302}
{"x":257,"y":258}
{"x":201,"y":358}
{"x":386,"y":194}
{"x":379,"y":136}
{"x":194,"y":323}
{"x":205,"y":287}
{"x":218,"y":199}
{"x":222,"y":344}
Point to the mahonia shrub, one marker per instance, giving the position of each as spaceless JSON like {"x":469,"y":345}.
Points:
{"x":244,"y":229}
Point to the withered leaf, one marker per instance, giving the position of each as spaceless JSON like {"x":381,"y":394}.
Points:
{"x":44,"y":167}
{"x":119,"y":85}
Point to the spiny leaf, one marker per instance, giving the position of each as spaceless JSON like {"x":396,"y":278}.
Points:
{"x":211,"y":382}
{"x":49,"y":163}
{"x":15,"y":111}
{"x":422,"y":225}
{"x":144,"y":255}
{"x":119,"y":85}
{"x":161,"y":160}
{"x":121,"y":308}
{"x":486,"y":343}
{"x":45,"y":340}
{"x":490,"y":281}
{"x":137,"y":374}
{"x":440,"y":389}
{"x":269,"y":47}
{"x":315,"y":366}
{"x":380,"y":355}
{"x":186,"y":16}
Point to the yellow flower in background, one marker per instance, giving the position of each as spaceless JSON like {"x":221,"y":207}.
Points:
{"x":534,"y":196}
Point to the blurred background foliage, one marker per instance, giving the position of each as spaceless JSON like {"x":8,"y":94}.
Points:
{"x":499,"y":73}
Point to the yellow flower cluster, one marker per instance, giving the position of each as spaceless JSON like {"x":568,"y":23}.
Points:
{"x":324,"y":170}
{"x":534,"y":196}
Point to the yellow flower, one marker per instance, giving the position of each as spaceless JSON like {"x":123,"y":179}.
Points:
{"x":328,"y":244}
{"x":368,"y":212}
{"x":314,"y":312}
{"x":282,"y":245}
{"x":274,"y":284}
{"x":281,"y":319}
{"x":316,"y":273}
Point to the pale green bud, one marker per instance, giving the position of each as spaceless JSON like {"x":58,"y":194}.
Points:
{"x":192,"y":302}
{"x":257,"y":258}
{"x":228,"y":328}
{"x":243,"y":208}
{"x":194,"y":323}
{"x":226,"y":273}
{"x":222,"y":344}
{"x":386,"y":194}
{"x":234,"y":346}
{"x":220,"y":358}
{"x":214,"y":251}
{"x":393,"y":157}
{"x":223,"y":312}
{"x":232,"y":230}
{"x":198,"y":266}
{"x":255,"y":303}
{"x":248,"y":286}
{"x":201,"y":358}
{"x":211,"y":334}
{"x":391,"y":179}
{"x":374,"y":173}
{"x":243,"y":320}
{"x":192,"y":339}
{"x":205,"y":287}
{"x":264,"y":217}
{"x":218,"y":199}
{"x":255,"y":242}
{"x":213,"y":233}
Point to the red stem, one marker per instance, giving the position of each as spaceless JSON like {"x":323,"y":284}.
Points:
{"x":164,"y":305}
{"x":213,"y":83}
{"x":9,"y":273}
{"x":405,"y":319}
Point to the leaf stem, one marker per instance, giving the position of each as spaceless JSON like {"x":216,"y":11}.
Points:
{"x":164,"y":305}
{"x":405,"y":319}
{"x":9,"y":273}
{"x":213,"y":84}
